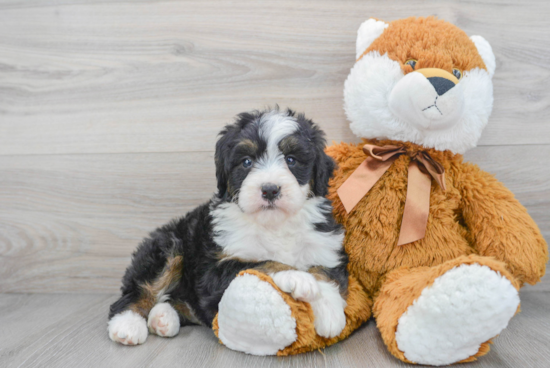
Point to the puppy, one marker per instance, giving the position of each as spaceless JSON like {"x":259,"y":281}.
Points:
{"x":269,"y":214}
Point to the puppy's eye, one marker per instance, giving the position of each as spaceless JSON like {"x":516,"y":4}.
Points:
{"x":457,"y":73}
{"x":290,"y":161}
{"x":411,"y":62}
{"x":247,"y":163}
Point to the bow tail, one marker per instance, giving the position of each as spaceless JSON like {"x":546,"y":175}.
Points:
{"x":361,"y":181}
{"x":417,"y":206}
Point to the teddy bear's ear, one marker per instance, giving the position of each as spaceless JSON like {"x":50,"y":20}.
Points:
{"x":369,"y":31}
{"x":486,"y":53}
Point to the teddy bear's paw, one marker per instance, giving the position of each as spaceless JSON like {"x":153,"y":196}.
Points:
{"x":254,"y":318}
{"x":465,"y":307}
{"x":163,"y":320}
{"x":301,"y":285}
{"x":328,"y":310}
{"x":128,"y":328}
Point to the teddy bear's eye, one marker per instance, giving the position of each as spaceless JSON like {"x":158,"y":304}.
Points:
{"x":411,"y":62}
{"x":457,"y":73}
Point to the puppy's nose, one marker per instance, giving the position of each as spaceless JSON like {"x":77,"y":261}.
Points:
{"x":270,"y":191}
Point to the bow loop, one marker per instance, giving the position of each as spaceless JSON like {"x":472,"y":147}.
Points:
{"x":383,"y":153}
{"x":417,"y":203}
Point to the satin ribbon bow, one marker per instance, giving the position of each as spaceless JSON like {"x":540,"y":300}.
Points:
{"x":417,"y":203}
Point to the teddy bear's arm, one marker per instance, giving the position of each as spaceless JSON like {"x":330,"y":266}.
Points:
{"x":500,"y":226}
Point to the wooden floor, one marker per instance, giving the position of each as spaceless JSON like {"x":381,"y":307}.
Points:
{"x":109,"y":111}
{"x":64,"y":330}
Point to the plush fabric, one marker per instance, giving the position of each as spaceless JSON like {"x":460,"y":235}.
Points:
{"x":404,"y":286}
{"x":358,"y":311}
{"x":459,"y":219}
{"x":385,"y":98}
{"x":427,"y":40}
{"x":441,"y":299}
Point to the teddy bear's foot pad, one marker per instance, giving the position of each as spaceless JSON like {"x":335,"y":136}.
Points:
{"x":463,"y":308}
{"x":254,"y":318}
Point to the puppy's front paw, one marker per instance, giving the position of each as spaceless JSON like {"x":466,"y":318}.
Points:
{"x":301,"y":285}
{"x":328,"y":310}
{"x":128,"y":328}
{"x":163,"y":320}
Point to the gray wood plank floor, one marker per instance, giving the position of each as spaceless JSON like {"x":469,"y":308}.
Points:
{"x":68,"y":330}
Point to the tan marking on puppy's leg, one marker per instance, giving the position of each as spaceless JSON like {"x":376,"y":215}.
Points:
{"x":152,"y":293}
{"x":266,"y":267}
{"x":319,"y":272}
{"x":273,"y":267}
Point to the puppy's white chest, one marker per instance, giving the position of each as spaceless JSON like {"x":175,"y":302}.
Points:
{"x":295,"y":242}
{"x":288,"y":247}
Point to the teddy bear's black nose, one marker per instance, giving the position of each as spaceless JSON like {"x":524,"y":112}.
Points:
{"x":441,"y":85}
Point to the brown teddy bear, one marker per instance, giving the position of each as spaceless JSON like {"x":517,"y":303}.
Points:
{"x":438,"y":248}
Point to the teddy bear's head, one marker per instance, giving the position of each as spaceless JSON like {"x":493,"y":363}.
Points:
{"x":421,"y":80}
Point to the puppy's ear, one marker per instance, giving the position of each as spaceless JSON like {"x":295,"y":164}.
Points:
{"x":324,"y":165}
{"x":223,"y":149}
{"x":322,"y":171}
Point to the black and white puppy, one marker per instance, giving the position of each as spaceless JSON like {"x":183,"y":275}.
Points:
{"x":270,"y":214}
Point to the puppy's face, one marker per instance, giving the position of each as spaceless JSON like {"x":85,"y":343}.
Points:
{"x":269,"y":163}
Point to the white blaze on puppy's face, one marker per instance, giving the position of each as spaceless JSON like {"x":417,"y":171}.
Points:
{"x":273,"y":209}
{"x":271,"y":170}
{"x":279,"y":152}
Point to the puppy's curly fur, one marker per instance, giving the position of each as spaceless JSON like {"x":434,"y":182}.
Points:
{"x":270,"y":214}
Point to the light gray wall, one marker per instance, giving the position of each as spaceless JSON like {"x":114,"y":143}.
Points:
{"x":109,"y":112}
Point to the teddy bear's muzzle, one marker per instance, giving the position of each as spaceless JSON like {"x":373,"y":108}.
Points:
{"x":428,"y":99}
{"x":440,"y":79}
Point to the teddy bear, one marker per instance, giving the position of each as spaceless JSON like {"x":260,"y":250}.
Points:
{"x":438,"y":248}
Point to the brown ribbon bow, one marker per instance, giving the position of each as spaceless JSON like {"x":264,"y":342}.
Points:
{"x":417,"y":203}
